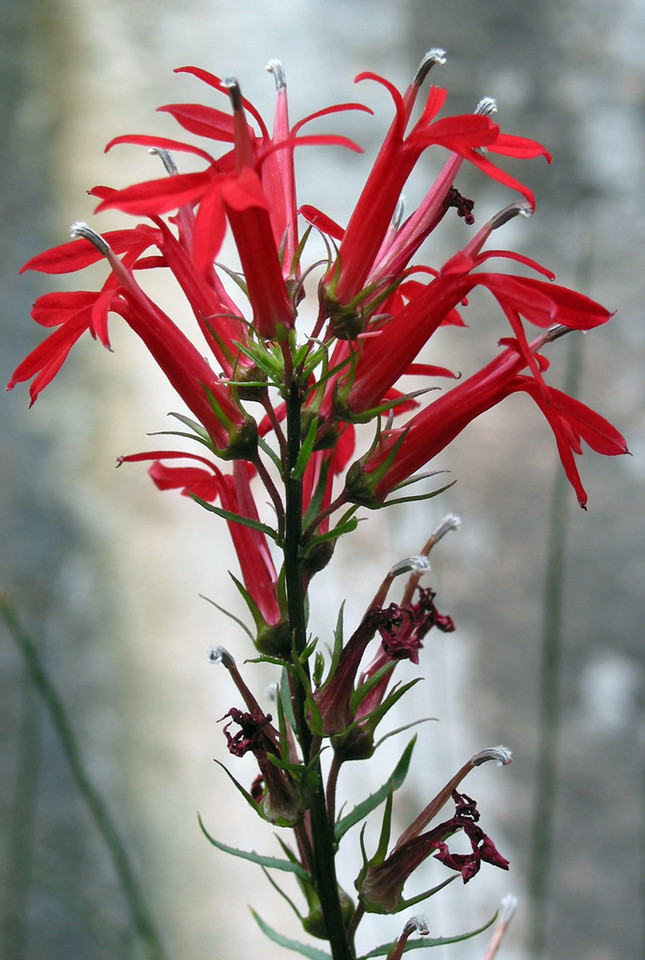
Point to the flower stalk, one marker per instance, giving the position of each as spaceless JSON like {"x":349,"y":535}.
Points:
{"x":376,"y":310}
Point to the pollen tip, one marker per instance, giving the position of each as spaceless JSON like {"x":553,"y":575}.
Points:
{"x":434,"y":56}
{"x":418,"y":925}
{"x":417,"y":564}
{"x":519,"y":208}
{"x":486,"y":106}
{"x":275,"y":67}
{"x":500,"y":754}
{"x":80,"y":229}
{"x":449,"y":522}
{"x":221,"y":655}
{"x":508,"y":906}
{"x":234,"y":92}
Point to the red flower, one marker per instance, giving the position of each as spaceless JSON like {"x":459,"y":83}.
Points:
{"x":400,"y":453}
{"x":362,"y":241}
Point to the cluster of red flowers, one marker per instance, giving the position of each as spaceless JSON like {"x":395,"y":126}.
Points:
{"x":375,"y":312}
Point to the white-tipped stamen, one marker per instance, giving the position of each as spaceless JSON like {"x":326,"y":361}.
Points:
{"x":234,"y":92}
{"x":275,"y":67}
{"x":486,"y":106}
{"x":221,"y":655}
{"x":500,"y":754}
{"x":81,"y":229}
{"x":519,"y":208}
{"x":417,"y":924}
{"x":508,"y":906}
{"x":434,"y":57}
{"x":416,"y":564}
{"x":397,"y":216}
{"x":166,"y":158}
{"x":449,"y":522}
{"x":271,"y":692}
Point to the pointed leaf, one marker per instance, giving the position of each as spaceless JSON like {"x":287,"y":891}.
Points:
{"x":306,"y":951}
{"x":236,"y":518}
{"x":273,"y":863}
{"x":423,"y":942}
{"x":394,"y":781}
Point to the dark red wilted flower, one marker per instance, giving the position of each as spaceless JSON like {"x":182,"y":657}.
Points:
{"x":381,"y":886}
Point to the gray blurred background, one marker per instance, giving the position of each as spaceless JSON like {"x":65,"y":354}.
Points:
{"x":105,"y":572}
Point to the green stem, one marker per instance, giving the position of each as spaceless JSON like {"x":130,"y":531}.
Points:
{"x":322,"y":839}
{"x":116,"y":847}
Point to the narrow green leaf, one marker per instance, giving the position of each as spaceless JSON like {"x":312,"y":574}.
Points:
{"x":270,"y":452}
{"x":424,"y":942}
{"x":394,"y":781}
{"x":311,"y":952}
{"x":236,"y":518}
{"x":305,"y":451}
{"x":340,"y":530}
{"x":181,"y":433}
{"x":229,"y":614}
{"x":272,"y":863}
{"x":247,"y":796}
{"x":406,"y":726}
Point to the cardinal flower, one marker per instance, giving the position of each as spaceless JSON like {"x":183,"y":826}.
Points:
{"x":399,"y":453}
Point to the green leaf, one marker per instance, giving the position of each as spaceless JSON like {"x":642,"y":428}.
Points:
{"x":270,"y":452}
{"x":236,"y":518}
{"x":230,"y":615}
{"x":285,"y":698}
{"x":394,"y":781}
{"x":342,"y":528}
{"x":311,"y":952}
{"x":199,"y":432}
{"x":406,"y":726}
{"x":424,"y":942}
{"x":305,"y":452}
{"x":271,"y":862}
{"x":247,"y":796}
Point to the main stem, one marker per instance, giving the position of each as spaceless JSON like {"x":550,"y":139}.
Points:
{"x":324,"y":867}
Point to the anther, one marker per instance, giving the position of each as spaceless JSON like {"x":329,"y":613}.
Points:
{"x":221,"y":655}
{"x":275,"y":67}
{"x":433,"y":57}
{"x":486,"y":107}
{"x":418,"y":925}
{"x":82,"y":229}
{"x":166,"y":158}
{"x":516,"y":209}
{"x":418,"y":564}
{"x":234,"y":93}
{"x":500,"y":754}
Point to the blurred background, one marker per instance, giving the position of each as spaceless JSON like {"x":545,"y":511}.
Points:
{"x":105,"y":572}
